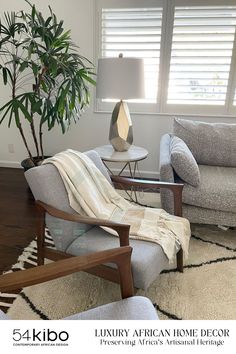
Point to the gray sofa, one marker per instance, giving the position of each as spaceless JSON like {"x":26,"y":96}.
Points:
{"x":208,"y":170}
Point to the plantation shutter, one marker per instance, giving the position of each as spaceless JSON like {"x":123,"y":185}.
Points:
{"x":201,"y":53}
{"x":135,"y":32}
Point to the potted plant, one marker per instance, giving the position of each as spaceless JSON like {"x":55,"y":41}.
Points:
{"x":48,"y":78}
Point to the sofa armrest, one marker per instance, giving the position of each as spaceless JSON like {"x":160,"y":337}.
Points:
{"x":166,"y":170}
{"x":166,"y":173}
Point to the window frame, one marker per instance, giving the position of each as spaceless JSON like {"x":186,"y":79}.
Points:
{"x":161,"y":107}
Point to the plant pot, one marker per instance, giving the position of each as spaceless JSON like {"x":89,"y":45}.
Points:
{"x":28,"y":163}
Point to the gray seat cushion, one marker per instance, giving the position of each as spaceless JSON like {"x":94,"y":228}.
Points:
{"x":217,"y":189}
{"x":198,"y":215}
{"x":148,"y":258}
{"x":133,"y":308}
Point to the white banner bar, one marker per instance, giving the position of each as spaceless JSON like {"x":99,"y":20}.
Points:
{"x":211,"y":337}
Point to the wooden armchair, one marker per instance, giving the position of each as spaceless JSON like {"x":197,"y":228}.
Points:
{"x":131,"y":308}
{"x":75,"y":235}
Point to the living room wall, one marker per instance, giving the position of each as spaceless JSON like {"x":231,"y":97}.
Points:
{"x":92,"y":129}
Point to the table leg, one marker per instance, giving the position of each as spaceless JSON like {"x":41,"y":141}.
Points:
{"x":123,"y":168}
{"x":132,"y":175}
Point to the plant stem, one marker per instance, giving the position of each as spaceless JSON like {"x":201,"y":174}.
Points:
{"x":19,"y":125}
{"x":24,"y":140}
{"x":41,"y":140}
{"x":37,"y":88}
{"x":34,"y":137}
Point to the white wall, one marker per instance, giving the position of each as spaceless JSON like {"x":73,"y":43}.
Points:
{"x":92,"y":129}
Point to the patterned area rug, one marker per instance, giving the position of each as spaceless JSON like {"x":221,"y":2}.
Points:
{"x":205,"y":291}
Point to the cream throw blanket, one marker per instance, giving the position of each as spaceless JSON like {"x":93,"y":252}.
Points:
{"x":91,"y":194}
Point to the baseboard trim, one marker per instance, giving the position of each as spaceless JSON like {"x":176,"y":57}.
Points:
{"x":139,"y":174}
{"x":10,"y":164}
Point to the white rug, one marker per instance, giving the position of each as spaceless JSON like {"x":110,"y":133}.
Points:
{"x":205,"y":291}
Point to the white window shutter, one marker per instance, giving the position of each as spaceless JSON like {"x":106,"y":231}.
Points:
{"x":134,"y":32}
{"x":201,"y":54}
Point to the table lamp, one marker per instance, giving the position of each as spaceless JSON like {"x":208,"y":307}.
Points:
{"x":120,"y":78}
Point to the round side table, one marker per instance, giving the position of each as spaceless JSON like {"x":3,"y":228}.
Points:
{"x":133,"y":155}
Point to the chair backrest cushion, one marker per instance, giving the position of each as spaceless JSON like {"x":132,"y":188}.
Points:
{"x":93,"y":155}
{"x":47,"y":186}
{"x":210,"y":143}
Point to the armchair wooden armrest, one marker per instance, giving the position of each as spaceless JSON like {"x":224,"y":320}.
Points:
{"x":120,"y":256}
{"x":176,"y":188}
{"x":121,"y":229}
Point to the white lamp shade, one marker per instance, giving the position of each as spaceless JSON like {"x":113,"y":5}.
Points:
{"x":120,"y":78}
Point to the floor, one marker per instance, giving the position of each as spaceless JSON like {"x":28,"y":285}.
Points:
{"x":17,"y":216}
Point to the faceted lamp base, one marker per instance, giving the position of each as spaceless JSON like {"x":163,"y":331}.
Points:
{"x":121,"y":130}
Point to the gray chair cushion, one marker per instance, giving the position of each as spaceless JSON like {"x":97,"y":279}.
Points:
{"x":183,"y":162}
{"x":94,"y":156}
{"x":133,"y":308}
{"x":148,"y":258}
{"x":217,"y":189}
{"x":210,"y":143}
{"x":46,"y":185}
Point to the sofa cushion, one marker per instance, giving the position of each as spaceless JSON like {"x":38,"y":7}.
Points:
{"x":148,"y":258}
{"x":133,"y":308}
{"x":217,"y":189}
{"x":183,"y":162}
{"x":198,"y":215}
{"x":210,"y":143}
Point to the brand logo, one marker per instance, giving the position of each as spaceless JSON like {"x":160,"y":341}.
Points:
{"x":39,"y":337}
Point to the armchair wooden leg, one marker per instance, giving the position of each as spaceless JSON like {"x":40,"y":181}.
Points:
{"x":40,"y":235}
{"x":180,"y":261}
{"x":40,"y":246}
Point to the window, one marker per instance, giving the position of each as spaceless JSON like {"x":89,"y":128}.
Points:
{"x":201,"y":54}
{"x":134,"y":32}
{"x":189,"y":51}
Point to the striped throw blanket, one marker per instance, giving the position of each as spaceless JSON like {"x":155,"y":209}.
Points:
{"x":91,"y":194}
